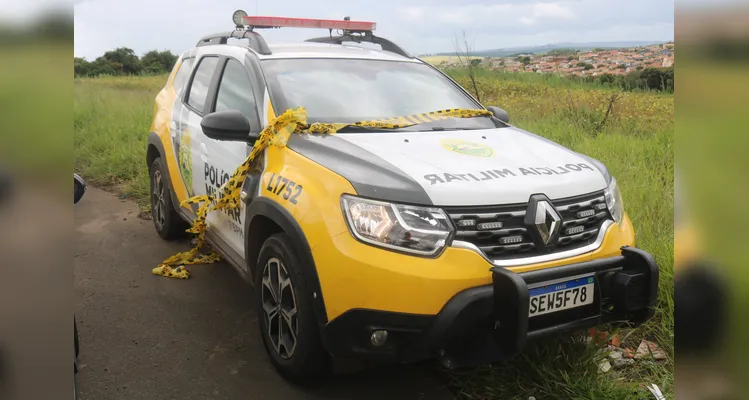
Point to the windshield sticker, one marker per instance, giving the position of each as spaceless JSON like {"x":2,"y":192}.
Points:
{"x":467,"y":148}
{"x":503,"y":173}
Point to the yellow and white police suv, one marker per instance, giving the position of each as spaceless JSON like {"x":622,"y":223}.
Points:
{"x":381,"y":212}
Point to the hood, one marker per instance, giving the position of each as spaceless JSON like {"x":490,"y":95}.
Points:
{"x":456,"y":168}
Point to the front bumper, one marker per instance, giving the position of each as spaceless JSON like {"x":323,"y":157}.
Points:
{"x":491,"y":323}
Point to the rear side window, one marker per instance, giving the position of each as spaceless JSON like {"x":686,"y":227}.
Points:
{"x":181,"y":78}
{"x":201,"y":81}
{"x":235,"y":90}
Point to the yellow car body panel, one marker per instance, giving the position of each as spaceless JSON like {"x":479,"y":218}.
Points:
{"x":318,"y":209}
{"x":358,"y":275}
{"x":163,"y":107}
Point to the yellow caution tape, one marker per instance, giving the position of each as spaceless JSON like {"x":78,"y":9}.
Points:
{"x":277,"y":133}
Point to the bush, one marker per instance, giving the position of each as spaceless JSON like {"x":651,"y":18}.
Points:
{"x":124,"y":61}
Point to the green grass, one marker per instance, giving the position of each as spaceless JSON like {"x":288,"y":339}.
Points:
{"x":112,"y":116}
{"x":637,"y":145}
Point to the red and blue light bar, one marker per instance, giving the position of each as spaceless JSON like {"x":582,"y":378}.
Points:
{"x":284,"y":22}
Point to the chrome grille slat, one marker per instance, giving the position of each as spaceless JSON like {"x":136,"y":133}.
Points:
{"x":492,"y":232}
{"x":483,"y":216}
{"x":584,"y":221}
{"x":512,"y":218}
{"x":581,"y":205}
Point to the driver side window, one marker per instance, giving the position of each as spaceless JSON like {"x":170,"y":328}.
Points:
{"x":235,"y":91}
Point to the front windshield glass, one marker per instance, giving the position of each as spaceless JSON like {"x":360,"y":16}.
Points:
{"x":350,"y":90}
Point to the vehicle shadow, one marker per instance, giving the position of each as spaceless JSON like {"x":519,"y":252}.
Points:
{"x":148,"y":337}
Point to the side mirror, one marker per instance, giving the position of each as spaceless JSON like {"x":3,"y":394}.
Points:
{"x":499,"y":113}
{"x":79,"y":188}
{"x":230,"y":125}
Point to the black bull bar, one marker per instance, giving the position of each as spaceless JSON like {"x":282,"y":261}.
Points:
{"x":626,"y":291}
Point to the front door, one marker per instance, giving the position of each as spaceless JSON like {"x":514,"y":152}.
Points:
{"x":234,"y":92}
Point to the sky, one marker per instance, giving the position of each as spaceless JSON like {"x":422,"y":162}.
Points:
{"x":420,"y":26}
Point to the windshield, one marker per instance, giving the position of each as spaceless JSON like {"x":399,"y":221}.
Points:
{"x":350,"y":90}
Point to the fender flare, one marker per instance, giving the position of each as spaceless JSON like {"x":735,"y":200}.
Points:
{"x":262,"y":206}
{"x":155,"y":141}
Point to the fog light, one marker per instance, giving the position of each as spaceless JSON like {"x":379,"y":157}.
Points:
{"x":379,"y":338}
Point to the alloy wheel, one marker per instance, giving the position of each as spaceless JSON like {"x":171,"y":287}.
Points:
{"x":279,"y":308}
{"x":158,"y":206}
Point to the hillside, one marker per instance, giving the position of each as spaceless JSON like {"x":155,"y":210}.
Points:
{"x":504,"y":52}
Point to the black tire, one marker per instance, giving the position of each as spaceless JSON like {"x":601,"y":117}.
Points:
{"x":76,"y":348}
{"x":307,"y":358}
{"x":75,"y":338}
{"x":167,"y":222}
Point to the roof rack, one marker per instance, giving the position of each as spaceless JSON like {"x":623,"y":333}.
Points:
{"x":362,"y":36}
{"x":350,"y":31}
{"x":257,"y":42}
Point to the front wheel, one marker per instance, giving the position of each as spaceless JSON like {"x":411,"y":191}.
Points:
{"x":167,"y":222}
{"x":287,"y":324}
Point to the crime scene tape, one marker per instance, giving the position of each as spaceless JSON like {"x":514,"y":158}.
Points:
{"x":276,"y":133}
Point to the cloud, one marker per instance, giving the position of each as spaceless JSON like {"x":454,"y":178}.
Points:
{"x":421,"y":26}
{"x":412,"y":13}
{"x":528,"y":21}
{"x":551,"y":10}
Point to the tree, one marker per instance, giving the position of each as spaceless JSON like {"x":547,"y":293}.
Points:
{"x":102,"y":67}
{"x":607,"y":79}
{"x":123,"y":60}
{"x":588,"y":67}
{"x":658,"y":79}
{"x":581,"y":64}
{"x":668,"y":79}
{"x":464,"y":51}
{"x":156,"y":61}
{"x":81,"y":67}
{"x":475,"y":62}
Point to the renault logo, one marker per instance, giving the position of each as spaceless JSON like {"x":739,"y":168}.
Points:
{"x":543,"y":221}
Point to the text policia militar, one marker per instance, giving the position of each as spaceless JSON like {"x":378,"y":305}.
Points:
{"x":506,"y":172}
{"x":214,"y":179}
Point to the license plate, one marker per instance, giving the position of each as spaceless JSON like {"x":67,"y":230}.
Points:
{"x":561,"y":295}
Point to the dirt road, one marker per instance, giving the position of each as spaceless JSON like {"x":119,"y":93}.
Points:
{"x":153,"y":338}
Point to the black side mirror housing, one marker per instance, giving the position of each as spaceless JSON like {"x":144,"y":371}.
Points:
{"x":79,"y":188}
{"x":229,"y":125}
{"x":499,"y":113}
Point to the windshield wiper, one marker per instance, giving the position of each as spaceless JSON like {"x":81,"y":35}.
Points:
{"x":442,"y":128}
{"x":355,"y":128}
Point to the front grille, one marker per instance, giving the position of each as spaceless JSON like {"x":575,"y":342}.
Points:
{"x":582,"y":218}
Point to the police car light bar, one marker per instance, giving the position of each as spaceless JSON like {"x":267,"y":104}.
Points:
{"x":283,"y":22}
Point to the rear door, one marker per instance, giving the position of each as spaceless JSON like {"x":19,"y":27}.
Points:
{"x":189,"y":136}
{"x":234,"y":91}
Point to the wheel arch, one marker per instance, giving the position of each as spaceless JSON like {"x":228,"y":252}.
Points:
{"x":264,"y":217}
{"x":154,"y":150}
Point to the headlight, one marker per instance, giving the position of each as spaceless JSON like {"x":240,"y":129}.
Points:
{"x":418,"y":230}
{"x":614,"y":202}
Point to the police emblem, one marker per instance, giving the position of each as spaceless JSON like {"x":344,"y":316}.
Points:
{"x":467,"y":148}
